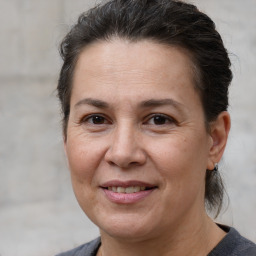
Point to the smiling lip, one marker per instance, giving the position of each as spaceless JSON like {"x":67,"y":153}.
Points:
{"x":127,"y":192}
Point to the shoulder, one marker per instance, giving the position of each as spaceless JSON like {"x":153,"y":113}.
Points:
{"x":233,"y":244}
{"x":88,"y":249}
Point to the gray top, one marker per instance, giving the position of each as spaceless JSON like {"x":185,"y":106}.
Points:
{"x":233,"y":244}
{"x":88,"y":249}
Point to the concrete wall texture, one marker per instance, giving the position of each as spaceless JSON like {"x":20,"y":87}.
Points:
{"x":39,"y":214}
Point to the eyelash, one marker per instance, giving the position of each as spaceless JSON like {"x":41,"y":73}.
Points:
{"x":161,"y":117}
{"x":90,"y":117}
{"x":165,"y":118}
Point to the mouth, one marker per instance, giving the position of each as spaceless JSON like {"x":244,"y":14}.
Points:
{"x":128,"y":187}
{"x":128,"y":191}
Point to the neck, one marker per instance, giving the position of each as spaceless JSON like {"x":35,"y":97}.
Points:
{"x":188,"y":239}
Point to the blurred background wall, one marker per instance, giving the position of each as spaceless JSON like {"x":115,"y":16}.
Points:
{"x":38,"y":212}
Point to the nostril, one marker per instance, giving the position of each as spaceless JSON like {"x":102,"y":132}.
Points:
{"x":111,"y":163}
{"x":134,"y":163}
{"x":124,"y":165}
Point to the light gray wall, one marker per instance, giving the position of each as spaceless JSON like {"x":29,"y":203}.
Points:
{"x":38,"y":210}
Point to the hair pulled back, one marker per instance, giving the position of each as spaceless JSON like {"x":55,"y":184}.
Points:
{"x":169,"y":22}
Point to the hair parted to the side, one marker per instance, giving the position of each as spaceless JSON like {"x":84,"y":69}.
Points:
{"x":169,"y":22}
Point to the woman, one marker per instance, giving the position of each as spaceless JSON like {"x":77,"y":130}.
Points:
{"x":144,"y":95}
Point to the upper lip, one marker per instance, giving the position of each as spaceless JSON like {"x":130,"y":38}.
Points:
{"x":125,"y":184}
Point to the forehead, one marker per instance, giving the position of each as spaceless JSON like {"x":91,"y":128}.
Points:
{"x":104,"y":56}
{"x":125,"y":67}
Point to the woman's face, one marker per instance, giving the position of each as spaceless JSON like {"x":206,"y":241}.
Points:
{"x":136,"y":141}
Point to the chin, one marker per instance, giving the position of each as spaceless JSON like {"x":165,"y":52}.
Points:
{"x":125,"y":228}
{"x":134,"y":235}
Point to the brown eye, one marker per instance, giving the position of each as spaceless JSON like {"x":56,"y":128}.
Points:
{"x":159,"y":120}
{"x":96,"y":119}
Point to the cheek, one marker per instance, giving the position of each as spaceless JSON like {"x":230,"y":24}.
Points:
{"x":83,"y":158}
{"x":172,"y":152}
{"x":181,"y":161}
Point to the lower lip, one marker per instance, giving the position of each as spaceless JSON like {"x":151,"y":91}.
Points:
{"x":123,"y":198}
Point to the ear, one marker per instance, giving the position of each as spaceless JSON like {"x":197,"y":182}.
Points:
{"x":219,"y":130}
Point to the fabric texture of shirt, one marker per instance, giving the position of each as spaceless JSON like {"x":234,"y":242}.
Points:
{"x":233,"y":244}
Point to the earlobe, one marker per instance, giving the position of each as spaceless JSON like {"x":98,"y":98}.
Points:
{"x":219,"y":134}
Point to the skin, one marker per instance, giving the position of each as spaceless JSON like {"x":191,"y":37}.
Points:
{"x":117,"y":81}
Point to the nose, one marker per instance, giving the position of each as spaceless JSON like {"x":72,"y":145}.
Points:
{"x":125,"y":150}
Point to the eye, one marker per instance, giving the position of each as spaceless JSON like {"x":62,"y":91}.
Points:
{"x":160,"y":119}
{"x":95,"y":119}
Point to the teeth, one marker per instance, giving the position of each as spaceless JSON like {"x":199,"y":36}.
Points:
{"x":127,"y":190}
{"x":137,"y":189}
{"x":120,"y":190}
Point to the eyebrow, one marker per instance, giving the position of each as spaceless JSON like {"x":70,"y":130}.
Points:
{"x":93,"y":102}
{"x":161,"y":102}
{"x":144,"y":104}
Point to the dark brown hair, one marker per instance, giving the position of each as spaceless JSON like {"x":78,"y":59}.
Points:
{"x":169,"y":22}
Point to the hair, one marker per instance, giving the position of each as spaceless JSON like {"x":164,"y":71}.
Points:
{"x":169,"y":22}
